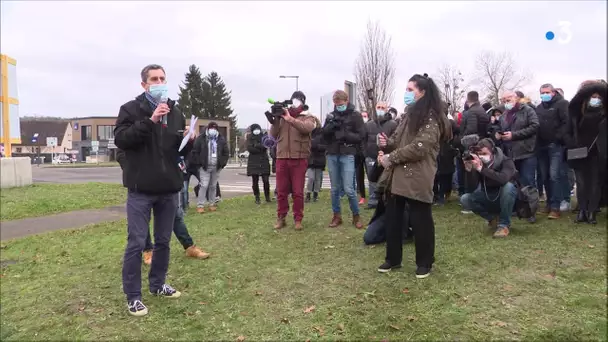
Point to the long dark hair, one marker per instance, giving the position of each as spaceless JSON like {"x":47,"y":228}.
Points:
{"x":430,"y":104}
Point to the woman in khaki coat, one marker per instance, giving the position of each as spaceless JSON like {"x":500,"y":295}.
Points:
{"x":409,"y":158}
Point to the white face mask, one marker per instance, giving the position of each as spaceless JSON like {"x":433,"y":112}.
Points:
{"x":256,"y":131}
{"x":485,"y":159}
{"x":296,"y":103}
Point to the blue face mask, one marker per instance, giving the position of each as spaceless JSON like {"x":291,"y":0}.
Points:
{"x":546,"y":97}
{"x":158,"y":91}
{"x":508,"y":106}
{"x":409,"y":98}
{"x":212,"y":132}
{"x":595,"y":102}
{"x":341,"y":108}
{"x":380,"y":113}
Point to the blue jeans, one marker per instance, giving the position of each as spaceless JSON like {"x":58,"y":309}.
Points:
{"x":565,"y":180}
{"x":527,"y":171}
{"x":550,"y":165}
{"x":341,"y":175}
{"x":369,"y":167}
{"x":496,"y":203}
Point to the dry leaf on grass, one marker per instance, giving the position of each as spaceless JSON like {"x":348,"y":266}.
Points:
{"x":411,"y":318}
{"x":241,"y":338}
{"x":330,"y":246}
{"x":405,"y":290}
{"x":394,"y":327}
{"x":341,"y":327}
{"x":285,"y":320}
{"x":202,"y":303}
{"x":258,"y":293}
{"x":310,"y":309}
{"x":591,"y":246}
{"x":319,"y":330}
{"x":499,"y":324}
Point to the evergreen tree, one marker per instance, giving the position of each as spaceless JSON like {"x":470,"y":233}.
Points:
{"x":217,"y":104}
{"x":191,"y":93}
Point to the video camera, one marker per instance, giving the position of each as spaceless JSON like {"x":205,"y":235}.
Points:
{"x":277,"y":108}
{"x":468,"y":154}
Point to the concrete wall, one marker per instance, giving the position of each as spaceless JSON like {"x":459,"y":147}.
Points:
{"x":15,"y":172}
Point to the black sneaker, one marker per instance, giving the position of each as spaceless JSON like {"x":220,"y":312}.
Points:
{"x":137,"y":308}
{"x":167,"y":291}
{"x":386,"y":267}
{"x":423,"y":272}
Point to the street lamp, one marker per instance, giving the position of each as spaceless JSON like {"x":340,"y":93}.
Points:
{"x":296,"y":77}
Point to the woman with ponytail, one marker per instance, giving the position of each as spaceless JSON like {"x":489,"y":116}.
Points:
{"x":409,"y":158}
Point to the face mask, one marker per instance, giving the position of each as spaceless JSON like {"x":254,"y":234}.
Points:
{"x":595,"y":102}
{"x":380,"y":113}
{"x":546,"y":97}
{"x":158,"y":91}
{"x":508,"y":106}
{"x":256,"y":131}
{"x":485,"y":159}
{"x":296,"y":103}
{"x":341,"y":108}
{"x":212,"y":132}
{"x":409,"y":98}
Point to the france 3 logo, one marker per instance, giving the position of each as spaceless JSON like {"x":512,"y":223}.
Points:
{"x":564,"y":35}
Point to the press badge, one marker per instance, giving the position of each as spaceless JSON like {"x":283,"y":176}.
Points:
{"x":213,"y":155}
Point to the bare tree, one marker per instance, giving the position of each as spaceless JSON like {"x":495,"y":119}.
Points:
{"x":375,"y":69}
{"x":497,"y":72}
{"x":454,"y":88}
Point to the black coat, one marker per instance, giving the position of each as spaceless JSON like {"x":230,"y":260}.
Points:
{"x":258,"y":162}
{"x":553,"y":121}
{"x":151,"y":158}
{"x":344,"y":132}
{"x":372,"y":128}
{"x":447,"y":152}
{"x":475,"y":121}
{"x":200,"y":153}
{"x":317,"y":159}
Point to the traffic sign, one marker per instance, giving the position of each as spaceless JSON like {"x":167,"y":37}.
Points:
{"x":95,"y":148}
{"x":94,"y":143}
{"x":51,"y":141}
{"x":111,"y":144}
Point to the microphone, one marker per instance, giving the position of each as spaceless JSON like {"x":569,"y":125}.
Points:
{"x":164,"y":99}
{"x":268,"y":141}
{"x":271,"y":101}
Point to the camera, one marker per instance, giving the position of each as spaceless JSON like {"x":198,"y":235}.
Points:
{"x":277,"y":107}
{"x":468,"y":154}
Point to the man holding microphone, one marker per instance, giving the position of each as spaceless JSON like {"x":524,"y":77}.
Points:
{"x":149,"y":130}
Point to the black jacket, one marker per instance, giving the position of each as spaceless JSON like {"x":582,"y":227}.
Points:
{"x":258,"y":162}
{"x":385,"y":125}
{"x":151,"y":157}
{"x":317,"y":159}
{"x":200,"y":152}
{"x":553,"y":120}
{"x":500,"y":172}
{"x":344,"y":131}
{"x":475,"y":121}
{"x":447,"y":152}
{"x":523,"y":125}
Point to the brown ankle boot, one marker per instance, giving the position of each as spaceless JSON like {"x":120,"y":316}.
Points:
{"x":298,"y":225}
{"x":335,"y":221}
{"x":280,"y":223}
{"x":357,"y":221}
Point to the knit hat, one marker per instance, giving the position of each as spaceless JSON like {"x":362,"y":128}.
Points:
{"x":299,"y":95}
{"x":212,"y":124}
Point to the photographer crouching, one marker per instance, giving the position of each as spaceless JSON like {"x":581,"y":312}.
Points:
{"x":495,"y":195}
{"x":291,"y":128}
{"x":343,"y":130}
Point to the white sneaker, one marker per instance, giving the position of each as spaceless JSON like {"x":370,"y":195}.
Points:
{"x":564,"y":206}
{"x":466,"y":212}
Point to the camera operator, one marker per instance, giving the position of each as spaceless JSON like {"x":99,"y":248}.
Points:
{"x":385,"y":124}
{"x":343,"y":130}
{"x":495,"y":195}
{"x":292,"y":131}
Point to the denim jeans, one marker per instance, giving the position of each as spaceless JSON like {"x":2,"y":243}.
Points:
{"x":527,"y":171}
{"x":550,"y":164}
{"x":493,"y":203}
{"x":373,"y":198}
{"x":341,"y":175}
{"x":565,"y":180}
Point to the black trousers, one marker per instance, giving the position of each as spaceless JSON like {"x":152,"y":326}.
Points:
{"x":360,"y":174}
{"x":442,"y":186}
{"x":589,"y":183}
{"x":423,"y":227}
{"x":255,"y":185}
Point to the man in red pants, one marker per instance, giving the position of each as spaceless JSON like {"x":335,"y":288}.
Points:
{"x":292,"y":133}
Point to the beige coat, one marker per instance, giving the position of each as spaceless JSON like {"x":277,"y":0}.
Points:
{"x":293,"y":139}
{"x":414,"y":161}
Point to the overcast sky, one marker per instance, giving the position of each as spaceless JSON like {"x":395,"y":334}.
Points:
{"x":83,"y":58}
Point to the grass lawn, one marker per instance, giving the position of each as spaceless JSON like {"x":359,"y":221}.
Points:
{"x":545,"y":282}
{"x":83,"y":165}
{"x":45,"y":199}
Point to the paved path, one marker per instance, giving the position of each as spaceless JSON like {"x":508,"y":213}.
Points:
{"x":233,"y":183}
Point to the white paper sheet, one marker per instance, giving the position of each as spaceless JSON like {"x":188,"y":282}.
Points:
{"x":193,"y":120}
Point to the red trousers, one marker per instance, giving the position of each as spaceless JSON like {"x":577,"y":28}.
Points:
{"x":291,"y":174}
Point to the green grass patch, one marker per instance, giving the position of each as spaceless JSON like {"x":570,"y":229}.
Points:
{"x":46,"y":199}
{"x":544,"y":282}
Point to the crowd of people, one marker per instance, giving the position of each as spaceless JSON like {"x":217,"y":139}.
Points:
{"x":495,"y":156}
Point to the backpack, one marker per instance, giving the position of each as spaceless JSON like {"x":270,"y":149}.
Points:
{"x":527,"y":202}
